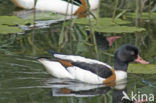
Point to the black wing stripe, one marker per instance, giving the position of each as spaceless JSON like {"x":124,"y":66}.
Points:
{"x":76,"y":2}
{"x":100,"y":70}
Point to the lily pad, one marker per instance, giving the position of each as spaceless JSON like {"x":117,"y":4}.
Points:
{"x":144,"y":15}
{"x":107,"y":25}
{"x":8,"y":29}
{"x":44,"y":16}
{"x":101,"y":21}
{"x":118,"y":29}
{"x":143,"y":69}
{"x":13,"y":20}
{"x":8,"y":24}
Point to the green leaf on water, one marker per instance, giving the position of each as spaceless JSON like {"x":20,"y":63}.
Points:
{"x":101,"y":21}
{"x":118,"y":29}
{"x":13,"y":20}
{"x":107,"y":25}
{"x":7,"y":30}
{"x":141,"y":68}
{"x":8,"y":24}
{"x":144,"y":15}
{"x":44,"y":16}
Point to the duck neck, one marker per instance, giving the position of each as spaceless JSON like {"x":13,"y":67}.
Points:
{"x":119,"y":65}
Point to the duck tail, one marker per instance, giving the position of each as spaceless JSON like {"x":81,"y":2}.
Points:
{"x":38,"y":58}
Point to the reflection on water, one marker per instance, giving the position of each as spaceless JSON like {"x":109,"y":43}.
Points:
{"x":74,"y":88}
{"x":77,"y":89}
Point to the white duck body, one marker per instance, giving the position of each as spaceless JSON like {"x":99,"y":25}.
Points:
{"x":57,"y":70}
{"x":57,"y":6}
{"x":78,"y":73}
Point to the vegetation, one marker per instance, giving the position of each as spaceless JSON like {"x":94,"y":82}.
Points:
{"x":22,"y":39}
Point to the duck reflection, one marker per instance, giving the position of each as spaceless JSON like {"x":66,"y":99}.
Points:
{"x":66,"y":87}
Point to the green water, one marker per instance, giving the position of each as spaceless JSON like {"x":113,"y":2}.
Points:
{"x":24,"y":80}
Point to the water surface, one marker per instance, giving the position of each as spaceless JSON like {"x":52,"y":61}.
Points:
{"x":23,"y":79}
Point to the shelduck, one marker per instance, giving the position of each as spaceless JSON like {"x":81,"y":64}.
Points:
{"x":73,"y":7}
{"x":90,"y":70}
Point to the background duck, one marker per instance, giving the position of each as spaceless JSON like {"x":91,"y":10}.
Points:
{"x":93,"y":71}
{"x":58,"y":6}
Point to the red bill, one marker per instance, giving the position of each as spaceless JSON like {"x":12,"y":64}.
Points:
{"x":140,"y":60}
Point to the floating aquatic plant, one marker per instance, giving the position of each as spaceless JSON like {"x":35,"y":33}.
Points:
{"x":8,"y":24}
{"x":144,"y":15}
{"x":143,"y":69}
{"x":118,"y":29}
{"x":43,"y":16}
{"x":9,"y":29}
{"x":107,"y":25}
{"x":13,"y":20}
